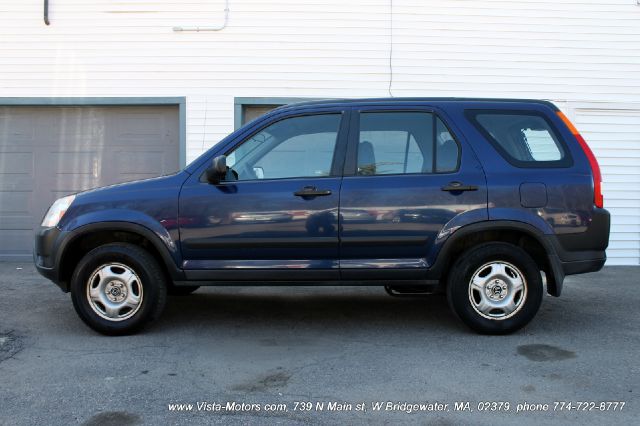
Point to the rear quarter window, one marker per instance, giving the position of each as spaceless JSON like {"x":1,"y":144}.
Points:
{"x":524,"y":139}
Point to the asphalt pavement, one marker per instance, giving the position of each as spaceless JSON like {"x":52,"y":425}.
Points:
{"x":327,"y":355}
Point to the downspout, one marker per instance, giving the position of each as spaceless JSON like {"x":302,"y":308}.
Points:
{"x":199,"y":29}
{"x":391,"y":47}
{"x":46,"y":12}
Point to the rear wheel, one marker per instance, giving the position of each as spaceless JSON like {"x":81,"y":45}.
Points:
{"x":495,"y":288}
{"x":118,"y":288}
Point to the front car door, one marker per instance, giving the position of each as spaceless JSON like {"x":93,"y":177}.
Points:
{"x":275,"y":215}
{"x":409,"y":182}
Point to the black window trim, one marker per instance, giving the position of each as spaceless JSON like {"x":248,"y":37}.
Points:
{"x":351,"y":162}
{"x":565,"y":162}
{"x":337,"y":162}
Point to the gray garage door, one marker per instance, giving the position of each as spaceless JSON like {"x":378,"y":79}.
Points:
{"x":48,"y":152}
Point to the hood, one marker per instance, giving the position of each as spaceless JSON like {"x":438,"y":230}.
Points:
{"x":173,"y":181}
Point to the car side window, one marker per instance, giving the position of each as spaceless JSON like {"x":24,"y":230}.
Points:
{"x":525,"y":139}
{"x":290,"y":148}
{"x":405,"y":143}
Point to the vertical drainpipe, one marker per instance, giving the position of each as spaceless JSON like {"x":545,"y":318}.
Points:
{"x":46,"y":12}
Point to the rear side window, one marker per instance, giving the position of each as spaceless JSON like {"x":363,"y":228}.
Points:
{"x":405,"y":142}
{"x":525,"y":139}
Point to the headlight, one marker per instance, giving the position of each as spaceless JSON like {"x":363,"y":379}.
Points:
{"x":57,"y":210}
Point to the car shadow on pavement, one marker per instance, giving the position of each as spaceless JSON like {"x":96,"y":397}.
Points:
{"x":356,"y":308}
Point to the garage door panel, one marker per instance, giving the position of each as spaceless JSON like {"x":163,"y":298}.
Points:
{"x":16,"y":191}
{"x":16,"y":182}
{"x":73,"y":139}
{"x":140,"y":129}
{"x":77,"y":125}
{"x":49,"y":152}
{"x":141,"y":162}
{"x":151,"y":139}
{"x":16,"y":171}
{"x":15,"y":163}
{"x":16,"y":127}
{"x":14,"y":243}
{"x":75,"y":163}
{"x":11,"y":222}
{"x":68,"y":172}
{"x":15,"y":202}
{"x":71,"y":183}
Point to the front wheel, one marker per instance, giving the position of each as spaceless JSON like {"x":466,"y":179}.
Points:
{"x":118,"y":288}
{"x":495,"y":288}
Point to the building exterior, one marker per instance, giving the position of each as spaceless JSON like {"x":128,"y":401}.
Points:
{"x":112,"y":90}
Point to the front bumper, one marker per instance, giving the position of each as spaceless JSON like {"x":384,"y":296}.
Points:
{"x":45,"y":255}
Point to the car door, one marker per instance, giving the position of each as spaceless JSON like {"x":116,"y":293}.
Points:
{"x":409,"y":182}
{"x":274,"y":217}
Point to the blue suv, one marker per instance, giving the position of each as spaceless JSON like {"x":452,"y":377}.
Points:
{"x":473,"y":197}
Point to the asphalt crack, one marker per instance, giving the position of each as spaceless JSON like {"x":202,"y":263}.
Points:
{"x":10,"y":345}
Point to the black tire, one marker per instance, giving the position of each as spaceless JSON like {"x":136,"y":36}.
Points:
{"x":463,"y":299}
{"x":152,"y":288}
{"x":183,"y":290}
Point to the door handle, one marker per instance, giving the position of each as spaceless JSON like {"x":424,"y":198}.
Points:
{"x":458,"y":186}
{"x":312,"y":191}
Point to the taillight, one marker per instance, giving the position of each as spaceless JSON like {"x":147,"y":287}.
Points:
{"x":598,"y":199}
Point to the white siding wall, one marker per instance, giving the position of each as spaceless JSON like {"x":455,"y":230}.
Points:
{"x":583,"y":54}
{"x":614,"y":136}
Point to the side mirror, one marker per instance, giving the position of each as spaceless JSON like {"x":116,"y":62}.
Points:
{"x":218,"y":170}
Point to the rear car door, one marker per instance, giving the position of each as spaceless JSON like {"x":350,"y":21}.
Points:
{"x":409,"y":182}
{"x":275,"y":215}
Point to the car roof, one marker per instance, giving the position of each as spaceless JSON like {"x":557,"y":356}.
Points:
{"x":470,"y":103}
{"x":476,"y":102}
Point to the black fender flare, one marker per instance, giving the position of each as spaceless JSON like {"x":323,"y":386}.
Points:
{"x":169,"y":260}
{"x":554,"y":271}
